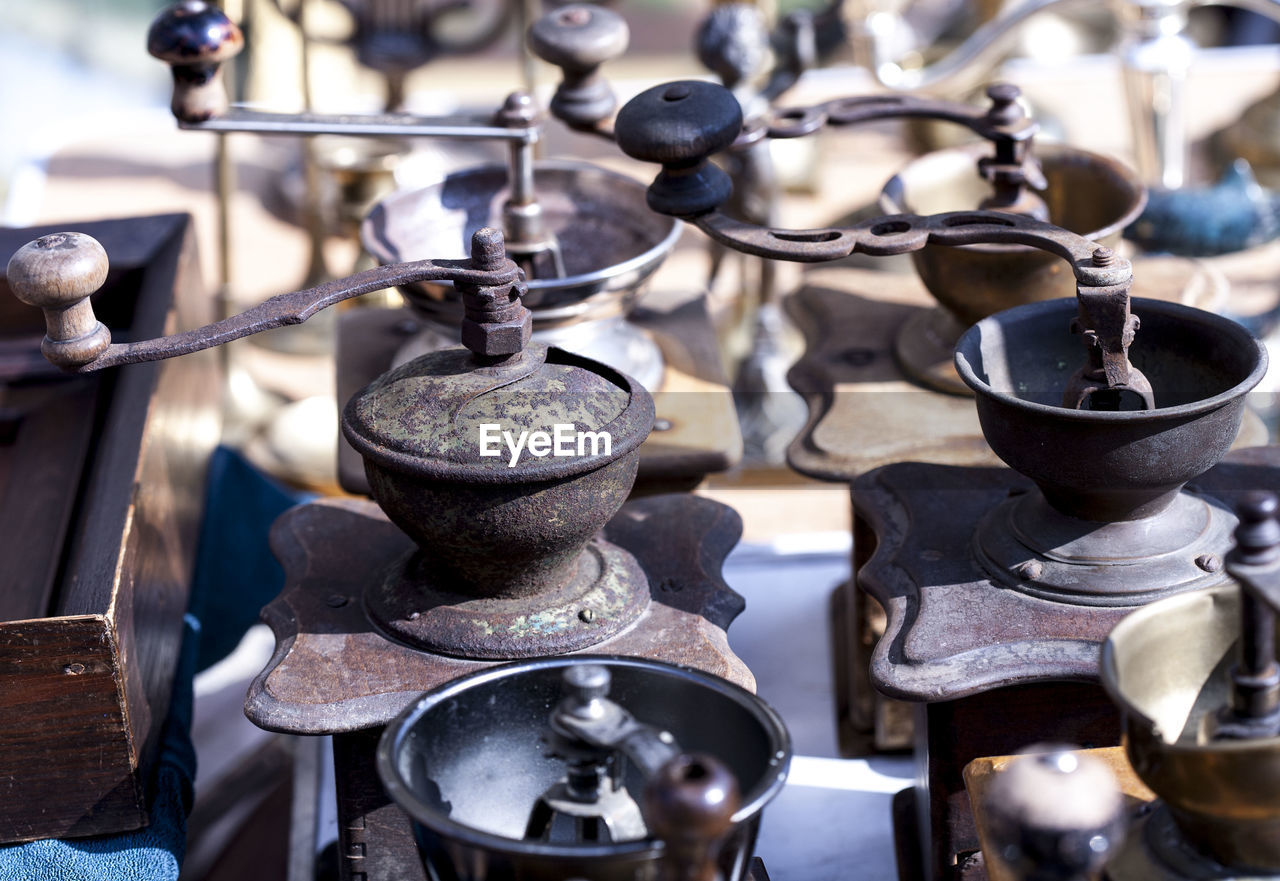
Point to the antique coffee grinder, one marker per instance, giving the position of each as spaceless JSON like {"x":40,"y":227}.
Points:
{"x":600,"y":767}
{"x":581,"y":233}
{"x":478,"y":556}
{"x":496,"y":551}
{"x":1196,"y":679}
{"x":994,"y":632}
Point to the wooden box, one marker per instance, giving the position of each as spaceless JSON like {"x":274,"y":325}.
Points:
{"x":101,"y":490}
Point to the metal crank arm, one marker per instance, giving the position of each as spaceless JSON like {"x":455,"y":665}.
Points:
{"x":59,"y":273}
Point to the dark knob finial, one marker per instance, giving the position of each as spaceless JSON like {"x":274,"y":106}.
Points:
{"x":1258,"y":533}
{"x":194,"y":38}
{"x":1056,"y":815}
{"x":733,"y":42}
{"x":578,"y":39}
{"x":680,"y":125}
{"x":689,"y":804}
{"x":1005,"y":109}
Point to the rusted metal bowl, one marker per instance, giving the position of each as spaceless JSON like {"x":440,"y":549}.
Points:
{"x":1110,"y":466}
{"x":610,"y":239}
{"x":1088,"y":194}
{"x":1167,"y":667}
{"x":465,"y":763}
{"x":506,"y":558}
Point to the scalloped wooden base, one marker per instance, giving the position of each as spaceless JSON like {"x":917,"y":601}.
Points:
{"x":333,"y":671}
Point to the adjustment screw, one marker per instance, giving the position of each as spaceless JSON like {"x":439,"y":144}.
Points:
{"x":588,"y":681}
{"x":1103,"y":257}
{"x":1005,"y":109}
{"x":1003,"y":93}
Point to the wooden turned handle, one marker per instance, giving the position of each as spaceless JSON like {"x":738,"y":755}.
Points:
{"x":58,"y":273}
{"x":578,"y":39}
{"x":194,"y":38}
{"x":689,"y":804}
{"x":1056,"y":815}
{"x":680,"y":125}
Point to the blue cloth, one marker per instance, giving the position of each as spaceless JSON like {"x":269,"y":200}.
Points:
{"x":236,"y":573}
{"x":235,"y":576}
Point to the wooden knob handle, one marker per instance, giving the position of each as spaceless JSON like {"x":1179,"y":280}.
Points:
{"x":1055,"y":816}
{"x":194,"y":38}
{"x":689,"y":804}
{"x":680,"y":125}
{"x":578,"y":39}
{"x":58,"y":273}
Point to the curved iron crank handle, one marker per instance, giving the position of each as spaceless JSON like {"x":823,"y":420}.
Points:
{"x":60,"y":272}
{"x":1003,"y":122}
{"x":680,"y":125}
{"x":1103,"y":280}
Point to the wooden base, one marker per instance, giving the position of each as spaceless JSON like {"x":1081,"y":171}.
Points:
{"x":333,"y":672}
{"x":696,"y":429}
{"x":101,"y":491}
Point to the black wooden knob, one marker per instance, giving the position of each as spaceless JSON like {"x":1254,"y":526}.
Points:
{"x":733,"y":42}
{"x":194,"y":38}
{"x":689,"y":804}
{"x":578,"y":39}
{"x":680,"y":125}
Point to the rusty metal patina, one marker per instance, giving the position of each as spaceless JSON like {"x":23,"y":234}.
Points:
{"x":510,"y":574}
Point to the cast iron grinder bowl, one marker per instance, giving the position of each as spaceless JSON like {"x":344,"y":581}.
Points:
{"x":465,"y":763}
{"x":506,"y":555}
{"x":1111,"y":524}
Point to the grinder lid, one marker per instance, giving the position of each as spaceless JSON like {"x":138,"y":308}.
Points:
{"x":444,"y":416}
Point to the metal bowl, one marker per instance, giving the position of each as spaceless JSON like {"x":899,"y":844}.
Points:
{"x":1088,"y":194}
{"x":465,"y":763}
{"x":611,"y":241}
{"x":1167,"y":667}
{"x":1110,"y":466}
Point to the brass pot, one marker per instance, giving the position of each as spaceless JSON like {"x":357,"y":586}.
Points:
{"x":1167,"y":667}
{"x":1088,"y":194}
